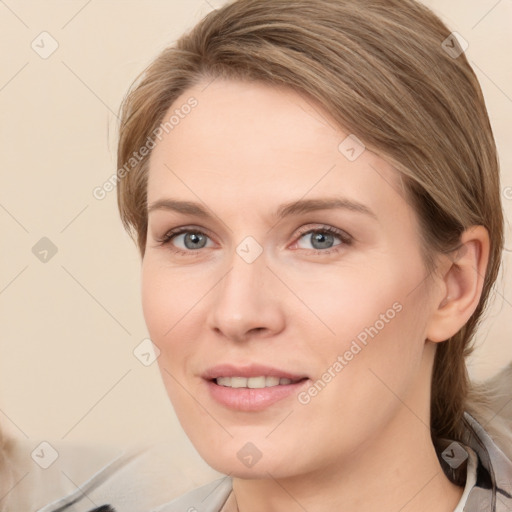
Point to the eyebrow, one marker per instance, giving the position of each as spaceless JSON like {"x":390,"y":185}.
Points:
{"x":294,"y":208}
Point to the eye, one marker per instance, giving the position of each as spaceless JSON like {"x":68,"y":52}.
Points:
{"x":184,"y":240}
{"x":323,"y":238}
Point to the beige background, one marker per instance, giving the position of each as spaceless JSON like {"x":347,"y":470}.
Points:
{"x":69,"y":326}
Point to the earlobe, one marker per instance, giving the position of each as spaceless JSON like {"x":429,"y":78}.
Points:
{"x":463,"y":282}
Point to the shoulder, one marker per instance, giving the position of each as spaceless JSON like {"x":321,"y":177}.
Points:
{"x":138,"y":480}
{"x":493,"y":488}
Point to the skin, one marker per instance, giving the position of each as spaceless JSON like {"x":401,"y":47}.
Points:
{"x":245,"y":150}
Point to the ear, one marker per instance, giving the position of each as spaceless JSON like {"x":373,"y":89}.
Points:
{"x":462,"y":276}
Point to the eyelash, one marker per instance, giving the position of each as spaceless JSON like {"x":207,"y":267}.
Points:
{"x":346,"y":240}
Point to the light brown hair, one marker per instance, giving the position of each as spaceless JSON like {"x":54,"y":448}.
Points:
{"x":384,"y":71}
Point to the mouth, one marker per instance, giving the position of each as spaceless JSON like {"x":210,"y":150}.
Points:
{"x":251,"y":388}
{"x":259,"y":382}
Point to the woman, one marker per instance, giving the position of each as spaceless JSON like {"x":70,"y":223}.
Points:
{"x":314,"y":190}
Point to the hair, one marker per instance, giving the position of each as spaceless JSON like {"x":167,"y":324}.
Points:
{"x":391,"y":73}
{"x":6,"y":470}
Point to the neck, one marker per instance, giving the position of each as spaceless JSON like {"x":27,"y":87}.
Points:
{"x":400,"y":473}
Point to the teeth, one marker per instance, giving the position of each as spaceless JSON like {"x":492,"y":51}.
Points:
{"x":252,"y":382}
{"x":271,"y":381}
{"x":256,"y":382}
{"x":238,"y":382}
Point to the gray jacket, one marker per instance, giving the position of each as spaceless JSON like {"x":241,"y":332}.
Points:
{"x":492,"y":491}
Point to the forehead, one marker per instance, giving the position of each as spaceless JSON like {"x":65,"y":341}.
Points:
{"x":263,"y":144}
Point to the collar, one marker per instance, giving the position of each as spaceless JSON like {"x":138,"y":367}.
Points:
{"x":493,"y":489}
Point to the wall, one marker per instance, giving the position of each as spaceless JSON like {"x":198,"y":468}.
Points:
{"x":70,"y":324}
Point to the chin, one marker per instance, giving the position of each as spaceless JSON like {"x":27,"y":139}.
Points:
{"x":241,"y":458}
{"x":236,"y":469}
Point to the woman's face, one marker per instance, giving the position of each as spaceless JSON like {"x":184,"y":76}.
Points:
{"x":297,"y":257}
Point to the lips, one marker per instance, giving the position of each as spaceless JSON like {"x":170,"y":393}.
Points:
{"x":251,"y":388}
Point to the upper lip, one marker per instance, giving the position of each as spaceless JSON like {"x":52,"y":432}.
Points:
{"x":250,"y":370}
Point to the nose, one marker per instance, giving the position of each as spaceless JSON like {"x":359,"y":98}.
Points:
{"x":246,"y":302}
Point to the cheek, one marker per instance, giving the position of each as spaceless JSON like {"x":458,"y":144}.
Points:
{"x":156,"y":305}
{"x":377,"y":319}
{"x":364,"y":376}
{"x":167,"y":297}
{"x":171,"y":304}
{"x":162,"y":313}
{"x":352,"y":303}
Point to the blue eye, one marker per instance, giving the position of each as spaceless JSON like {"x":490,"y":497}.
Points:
{"x":323,"y":239}
{"x":320,"y":240}
{"x":193,"y":240}
{"x":190,"y":240}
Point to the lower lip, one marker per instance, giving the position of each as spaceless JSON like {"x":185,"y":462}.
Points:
{"x":252,"y":400}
